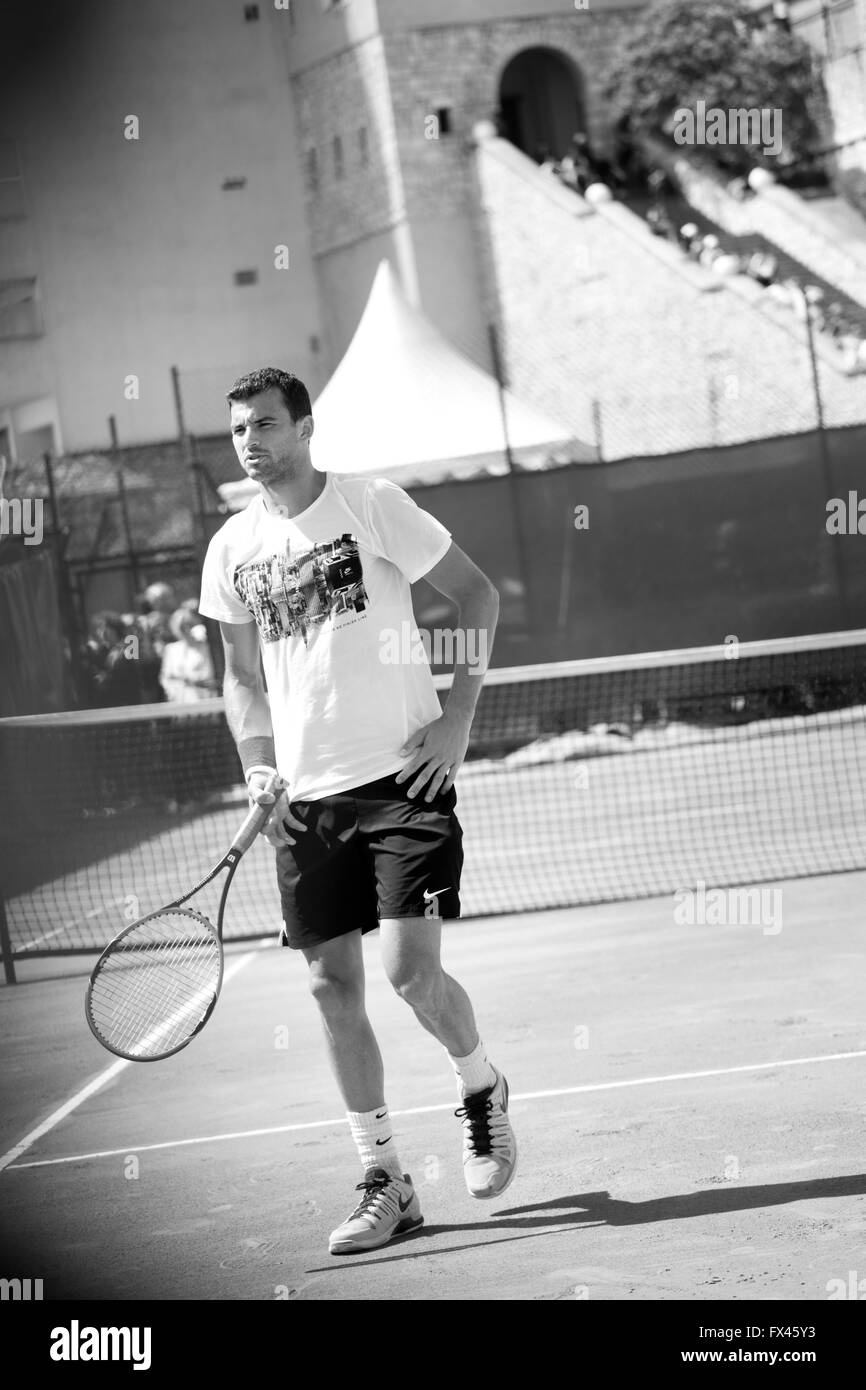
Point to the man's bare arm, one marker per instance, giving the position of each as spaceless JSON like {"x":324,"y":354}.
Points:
{"x":249,"y":719}
{"x":437,"y":750}
{"x":477,"y":600}
{"x":246,"y":702}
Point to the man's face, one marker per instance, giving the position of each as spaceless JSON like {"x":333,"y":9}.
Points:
{"x":271,"y":447}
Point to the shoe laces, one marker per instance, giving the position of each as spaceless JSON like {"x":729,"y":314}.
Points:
{"x":484,"y":1122}
{"x":372,"y":1189}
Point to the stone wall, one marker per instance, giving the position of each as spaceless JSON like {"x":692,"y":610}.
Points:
{"x":601,"y":322}
{"x":775,"y":212}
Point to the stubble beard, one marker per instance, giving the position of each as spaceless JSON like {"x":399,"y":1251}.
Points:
{"x":276,"y":471}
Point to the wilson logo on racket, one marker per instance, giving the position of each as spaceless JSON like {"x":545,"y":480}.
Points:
{"x":156,"y":984}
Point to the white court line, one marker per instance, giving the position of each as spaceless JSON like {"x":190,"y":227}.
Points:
{"x":430,"y":1109}
{"x":46,"y":936}
{"x":73,"y":922}
{"x":95,"y":1085}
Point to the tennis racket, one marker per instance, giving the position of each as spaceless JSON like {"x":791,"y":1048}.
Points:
{"x":155,"y":985}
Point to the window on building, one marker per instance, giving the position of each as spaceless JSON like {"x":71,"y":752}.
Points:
{"x":364,"y":147}
{"x":230,"y":185}
{"x":19,"y":309}
{"x":246,"y":277}
{"x":312,"y":171}
{"x":251,"y":13}
{"x":443,"y":116}
{"x":338,"y":157}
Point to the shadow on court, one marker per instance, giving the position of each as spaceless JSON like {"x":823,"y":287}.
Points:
{"x":687,"y":1101}
{"x":600,"y":1209}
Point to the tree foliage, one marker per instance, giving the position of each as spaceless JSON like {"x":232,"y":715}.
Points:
{"x":681,"y":52}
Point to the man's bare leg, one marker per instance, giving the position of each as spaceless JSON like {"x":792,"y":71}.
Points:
{"x":337,"y":985}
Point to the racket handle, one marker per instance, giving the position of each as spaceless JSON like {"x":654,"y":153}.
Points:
{"x":257,"y":817}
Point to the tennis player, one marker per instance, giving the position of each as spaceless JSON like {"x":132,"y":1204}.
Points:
{"x":312,"y":581}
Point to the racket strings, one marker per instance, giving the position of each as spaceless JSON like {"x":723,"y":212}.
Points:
{"x":157,"y":985}
{"x":157,"y":1015}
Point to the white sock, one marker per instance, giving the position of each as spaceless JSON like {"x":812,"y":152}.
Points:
{"x":371,"y":1131}
{"x":474,"y":1073}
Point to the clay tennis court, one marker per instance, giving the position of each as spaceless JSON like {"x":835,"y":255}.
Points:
{"x":687,"y":1100}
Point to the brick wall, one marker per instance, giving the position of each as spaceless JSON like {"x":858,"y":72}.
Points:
{"x":845,"y":79}
{"x":461,"y":66}
{"x":393,"y":83}
{"x":337,"y":98}
{"x":415,"y":202}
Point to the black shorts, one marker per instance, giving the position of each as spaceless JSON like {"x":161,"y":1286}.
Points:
{"x":369,"y":853}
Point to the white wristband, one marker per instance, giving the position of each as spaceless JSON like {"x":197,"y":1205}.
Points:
{"x":259,"y":767}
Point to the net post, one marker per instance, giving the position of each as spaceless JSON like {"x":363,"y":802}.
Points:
{"x":6,"y":946}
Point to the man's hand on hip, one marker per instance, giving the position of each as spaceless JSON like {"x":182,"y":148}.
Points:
{"x":436,"y":753}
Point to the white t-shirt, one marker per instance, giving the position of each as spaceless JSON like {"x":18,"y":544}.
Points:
{"x":329,"y":589}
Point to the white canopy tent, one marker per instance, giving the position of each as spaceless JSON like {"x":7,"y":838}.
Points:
{"x":405,"y":404}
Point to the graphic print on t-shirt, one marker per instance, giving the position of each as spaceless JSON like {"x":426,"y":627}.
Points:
{"x":287,"y":594}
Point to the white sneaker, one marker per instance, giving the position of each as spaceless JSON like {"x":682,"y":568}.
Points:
{"x":489,"y":1145}
{"x":388,"y":1207}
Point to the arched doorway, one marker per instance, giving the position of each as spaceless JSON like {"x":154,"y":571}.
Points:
{"x":541,"y":102}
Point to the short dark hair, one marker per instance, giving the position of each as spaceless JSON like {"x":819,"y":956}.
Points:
{"x":292,"y":389}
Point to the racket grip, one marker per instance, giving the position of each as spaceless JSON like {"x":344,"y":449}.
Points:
{"x":257,"y":817}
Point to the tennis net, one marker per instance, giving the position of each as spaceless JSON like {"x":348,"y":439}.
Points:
{"x":586,"y":782}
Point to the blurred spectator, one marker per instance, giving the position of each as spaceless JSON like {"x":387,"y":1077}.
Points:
{"x":687,"y":235}
{"x":763,"y":267}
{"x":568,"y":174}
{"x":660,"y":221}
{"x":626,"y":158}
{"x":815,"y":300}
{"x":150,"y":661}
{"x":159,"y":602}
{"x":609,"y":171}
{"x":728,"y":263}
{"x":187,"y":672}
{"x":696,"y":243}
{"x":111,"y":665}
{"x":835,"y":320}
{"x":710,"y":251}
{"x":845,"y":336}
{"x":658,"y":183}
{"x":786,"y":293}
{"x":591,"y":167}
{"x":738,"y":188}
{"x":850,"y":344}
